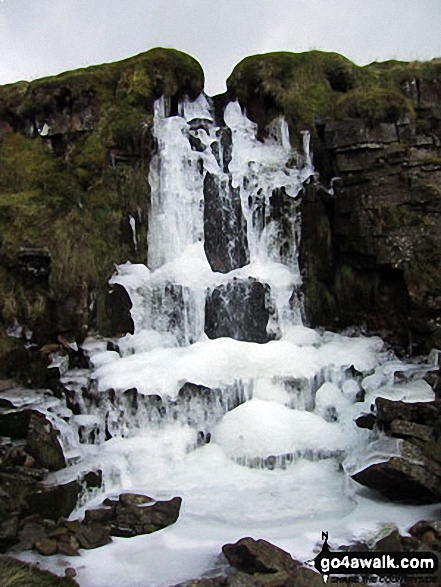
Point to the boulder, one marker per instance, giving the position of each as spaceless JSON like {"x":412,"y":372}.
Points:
{"x":400,"y":478}
{"x":366,"y":421}
{"x":133,"y":514}
{"x":267,"y":565}
{"x":257,"y":556}
{"x":240,"y":310}
{"x":426,"y":413}
{"x":93,"y":535}
{"x":46,"y":547}
{"x":138,"y":514}
{"x":43,"y":443}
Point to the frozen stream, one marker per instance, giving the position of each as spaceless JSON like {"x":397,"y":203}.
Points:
{"x":265,"y":444}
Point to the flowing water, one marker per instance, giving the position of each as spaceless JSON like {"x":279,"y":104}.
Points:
{"x":222,"y":396}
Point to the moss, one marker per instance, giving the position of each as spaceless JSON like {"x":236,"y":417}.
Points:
{"x":136,"y":81}
{"x":125,"y":128}
{"x":15,"y":573}
{"x":307,"y":87}
{"x":73,"y":190}
{"x":374,"y":105}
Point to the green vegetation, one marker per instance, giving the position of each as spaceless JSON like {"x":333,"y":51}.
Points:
{"x":306,"y":87}
{"x":71,"y":190}
{"x":15,"y":573}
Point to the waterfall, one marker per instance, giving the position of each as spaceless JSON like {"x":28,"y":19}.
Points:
{"x":222,"y":395}
{"x":218,"y":305}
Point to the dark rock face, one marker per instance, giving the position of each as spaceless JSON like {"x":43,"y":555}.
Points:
{"x":379,"y":231}
{"x":370,"y":246}
{"x":399,"y":479}
{"x":93,"y":535}
{"x":415,"y":474}
{"x":34,"y":263}
{"x":239,"y":310}
{"x":41,"y":437}
{"x":118,"y":306}
{"x":225,"y":240}
{"x":30,"y":450}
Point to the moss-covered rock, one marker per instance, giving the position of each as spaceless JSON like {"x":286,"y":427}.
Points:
{"x":307,"y":87}
{"x":75,"y":152}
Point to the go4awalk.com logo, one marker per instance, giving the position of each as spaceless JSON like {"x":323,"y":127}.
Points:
{"x":381,"y":564}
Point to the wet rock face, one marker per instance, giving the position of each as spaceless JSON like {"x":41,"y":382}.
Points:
{"x":41,"y":437}
{"x":29,"y":449}
{"x":118,"y":305}
{"x":415,"y":474}
{"x":239,"y":310}
{"x":43,"y":443}
{"x":225,"y":240}
{"x":75,"y":152}
{"x":379,"y":231}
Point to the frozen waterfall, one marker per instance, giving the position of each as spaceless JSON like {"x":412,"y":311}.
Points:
{"x":222,"y":395}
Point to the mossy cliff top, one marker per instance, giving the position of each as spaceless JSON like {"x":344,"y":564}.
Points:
{"x":307,"y":87}
{"x":74,"y":153}
{"x":136,"y":81}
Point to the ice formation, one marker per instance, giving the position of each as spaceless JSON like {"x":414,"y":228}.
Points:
{"x":255,"y":447}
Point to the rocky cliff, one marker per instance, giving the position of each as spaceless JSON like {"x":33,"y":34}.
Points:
{"x":75,"y":152}
{"x":371,"y":245}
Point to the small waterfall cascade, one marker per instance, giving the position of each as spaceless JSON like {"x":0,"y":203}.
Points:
{"x":222,"y":395}
{"x":219,"y":344}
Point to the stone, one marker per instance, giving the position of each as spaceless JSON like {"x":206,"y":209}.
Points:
{"x":30,"y":533}
{"x":422,"y":527}
{"x":54,"y":501}
{"x":43,"y":443}
{"x":102,"y":515}
{"x":391,"y":542}
{"x":366,"y":421}
{"x":240,"y":310}
{"x":70,"y":573}
{"x":400,"y":478}
{"x":425,"y":413}
{"x":266,"y":564}
{"x":67,"y":549}
{"x":257,"y":556}
{"x":72,"y":525}
{"x":405,"y":429}
{"x":118,"y":305}
{"x":57,"y":532}
{"x":139,"y":514}
{"x":46,"y":547}
{"x":93,"y":535}
{"x":34,"y":263}
{"x":14,"y":424}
